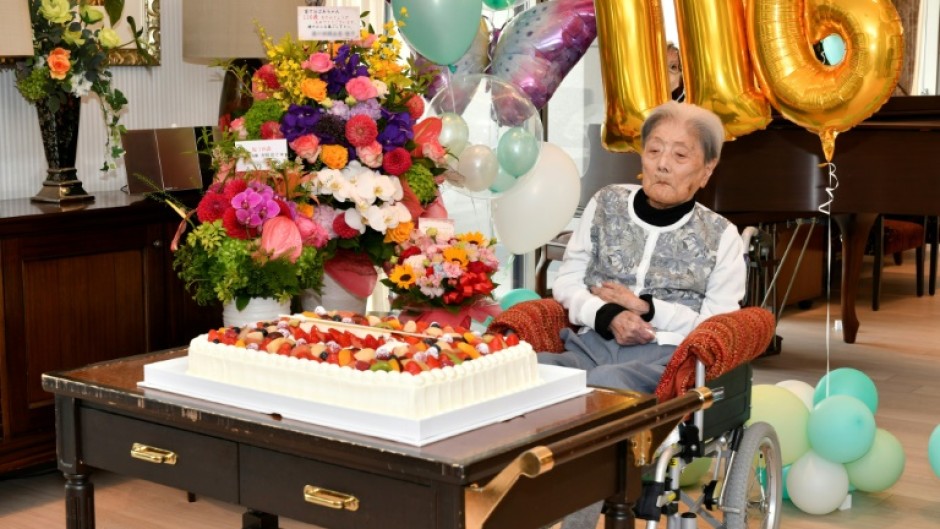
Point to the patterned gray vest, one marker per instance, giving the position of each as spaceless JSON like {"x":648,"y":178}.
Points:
{"x":681,"y":261}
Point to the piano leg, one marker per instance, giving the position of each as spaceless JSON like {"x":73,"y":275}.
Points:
{"x":854,"y":228}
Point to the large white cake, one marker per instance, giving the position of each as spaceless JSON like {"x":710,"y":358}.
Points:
{"x":412,"y":375}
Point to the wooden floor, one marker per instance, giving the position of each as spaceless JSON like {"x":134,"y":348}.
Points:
{"x":896,"y":346}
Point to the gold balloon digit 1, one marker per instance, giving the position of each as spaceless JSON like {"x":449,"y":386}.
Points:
{"x":826,"y":99}
{"x":716,"y":65}
{"x":632,"y":48}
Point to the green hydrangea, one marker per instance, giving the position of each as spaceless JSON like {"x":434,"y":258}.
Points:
{"x":421,"y":181}
{"x":260,"y":113}
{"x":33,"y":86}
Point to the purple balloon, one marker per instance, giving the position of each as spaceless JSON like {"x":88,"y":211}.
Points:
{"x":475,"y":60}
{"x":539,"y":46}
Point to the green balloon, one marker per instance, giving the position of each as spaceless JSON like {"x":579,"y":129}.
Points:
{"x":933,"y":450}
{"x":499,"y":5}
{"x":517,"y":151}
{"x":782,"y":409}
{"x":881,"y":467}
{"x":693,"y":472}
{"x":841,"y":429}
{"x":440,"y":30}
{"x":848,"y":381}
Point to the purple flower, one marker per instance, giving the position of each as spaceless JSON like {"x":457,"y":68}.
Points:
{"x":397,"y":131}
{"x":252,"y":207}
{"x":369,"y":107}
{"x":348,"y":66}
{"x":299,"y":121}
{"x":340,"y":110}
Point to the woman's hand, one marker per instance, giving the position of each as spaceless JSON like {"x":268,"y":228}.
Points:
{"x":612,"y":292}
{"x":630,"y":329}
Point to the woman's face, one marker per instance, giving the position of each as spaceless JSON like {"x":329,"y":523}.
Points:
{"x":674,"y":68}
{"x":674,"y":165}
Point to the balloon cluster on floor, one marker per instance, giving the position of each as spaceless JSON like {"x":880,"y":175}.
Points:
{"x":829,"y":441}
{"x":486,"y":91}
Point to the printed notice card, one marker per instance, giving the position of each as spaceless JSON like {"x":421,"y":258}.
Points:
{"x":327,"y":23}
{"x":444,"y":227}
{"x":261,"y":152}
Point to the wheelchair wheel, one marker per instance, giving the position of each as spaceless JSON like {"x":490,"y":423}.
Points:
{"x":754,"y":486}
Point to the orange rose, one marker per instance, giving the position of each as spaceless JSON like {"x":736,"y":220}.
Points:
{"x":314,"y":89}
{"x":400,"y":233}
{"x":59,"y":64}
{"x":334,"y":156}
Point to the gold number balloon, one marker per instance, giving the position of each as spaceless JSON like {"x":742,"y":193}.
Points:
{"x":632,"y":49}
{"x":716,"y":66}
{"x":825,"y":99}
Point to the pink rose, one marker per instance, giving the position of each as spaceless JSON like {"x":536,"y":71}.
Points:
{"x":433,"y":151}
{"x":307,"y":147}
{"x":361,"y":88}
{"x":318,"y":62}
{"x":370,"y":155}
{"x":281,"y":237}
{"x":311,"y":232}
{"x":271,"y":130}
{"x":238,"y":127}
{"x":366,"y":41}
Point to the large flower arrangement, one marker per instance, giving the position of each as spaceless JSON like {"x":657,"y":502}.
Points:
{"x":256,"y":238}
{"x":70,"y":60}
{"x":434,"y":270}
{"x":350,"y":114}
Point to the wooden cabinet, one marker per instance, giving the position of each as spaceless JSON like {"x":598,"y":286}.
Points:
{"x":81,"y":286}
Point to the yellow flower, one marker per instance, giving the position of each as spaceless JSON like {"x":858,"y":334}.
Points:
{"x":334,"y":156}
{"x":305,"y":210}
{"x":109,"y":38}
{"x":90,"y":15}
{"x":314,"y":89}
{"x":73,"y":37}
{"x":403,"y":276}
{"x":404,"y":11}
{"x":400,"y":233}
{"x":472,"y":237}
{"x":457,"y":255}
{"x":56,"y":11}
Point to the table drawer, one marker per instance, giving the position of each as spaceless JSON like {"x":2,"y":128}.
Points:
{"x":203,"y":465}
{"x":276,"y":482}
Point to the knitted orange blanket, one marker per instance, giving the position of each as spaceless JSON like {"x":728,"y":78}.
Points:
{"x":538,"y":322}
{"x":721,"y":342}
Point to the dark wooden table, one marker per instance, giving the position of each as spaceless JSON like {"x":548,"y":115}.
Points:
{"x":339,"y":479}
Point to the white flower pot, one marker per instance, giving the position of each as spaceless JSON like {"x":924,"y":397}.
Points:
{"x":334,"y":297}
{"x":258,"y":309}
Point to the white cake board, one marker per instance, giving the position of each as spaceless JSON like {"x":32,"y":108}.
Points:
{"x":558,"y":384}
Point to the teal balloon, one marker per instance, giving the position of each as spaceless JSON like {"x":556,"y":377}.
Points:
{"x":848,"y":381}
{"x":498,"y":5}
{"x":880,"y":467}
{"x":440,"y":30}
{"x":786,"y":470}
{"x":933,"y":451}
{"x":517,"y":151}
{"x":841,"y":429}
{"x":504,"y":182}
{"x":515,"y":296}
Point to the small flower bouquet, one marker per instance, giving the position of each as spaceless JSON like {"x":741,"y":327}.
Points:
{"x":256,"y":238}
{"x":350,"y":115}
{"x":71,"y":60}
{"x":430,"y":271}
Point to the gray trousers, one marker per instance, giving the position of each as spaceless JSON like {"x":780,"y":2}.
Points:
{"x":609,"y":364}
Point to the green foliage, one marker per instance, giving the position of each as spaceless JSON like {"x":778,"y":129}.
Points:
{"x":421,"y":181}
{"x":260,"y":113}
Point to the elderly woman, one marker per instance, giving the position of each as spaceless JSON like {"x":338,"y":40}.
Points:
{"x":647,"y":264}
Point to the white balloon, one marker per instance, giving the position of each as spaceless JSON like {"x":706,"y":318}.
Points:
{"x":454,"y":133}
{"x":478,"y":165}
{"x":540,"y":204}
{"x":801,"y":389}
{"x":817,"y":485}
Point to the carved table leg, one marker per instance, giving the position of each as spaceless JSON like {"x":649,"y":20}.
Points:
{"x":855,"y":228}
{"x":253,"y":519}
{"x":79,"y":502}
{"x":618,"y":510}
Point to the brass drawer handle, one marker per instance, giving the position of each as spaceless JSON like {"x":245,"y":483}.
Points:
{"x":330,"y":498}
{"x":152,"y":454}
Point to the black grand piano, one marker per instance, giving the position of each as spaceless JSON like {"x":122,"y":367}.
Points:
{"x":890,"y":163}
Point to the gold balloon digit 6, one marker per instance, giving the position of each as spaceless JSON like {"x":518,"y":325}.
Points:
{"x":632,"y":49}
{"x":825,"y":99}
{"x":716,"y":67}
